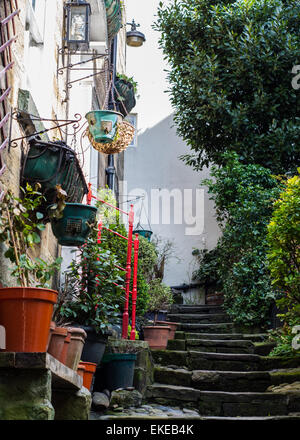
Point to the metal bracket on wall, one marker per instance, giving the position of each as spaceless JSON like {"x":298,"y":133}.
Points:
{"x":71,"y":67}
{"x":27,"y":120}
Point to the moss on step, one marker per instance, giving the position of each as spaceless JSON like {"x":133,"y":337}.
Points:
{"x":176,"y":344}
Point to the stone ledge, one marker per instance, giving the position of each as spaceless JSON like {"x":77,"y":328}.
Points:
{"x":62,"y":376}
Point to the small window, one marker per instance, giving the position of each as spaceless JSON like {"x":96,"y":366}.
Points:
{"x":33,"y":4}
{"x":132,"y":119}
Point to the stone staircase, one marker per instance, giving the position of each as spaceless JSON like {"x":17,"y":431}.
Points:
{"x":212,"y":368}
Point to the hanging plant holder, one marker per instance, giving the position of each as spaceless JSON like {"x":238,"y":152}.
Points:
{"x":52,"y":164}
{"x":126,"y":96}
{"x":144,"y":233}
{"x":103,"y":125}
{"x":123,"y":137}
{"x":73,"y":228}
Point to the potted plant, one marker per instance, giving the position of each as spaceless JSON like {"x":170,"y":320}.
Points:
{"x":117,"y":366}
{"x":72,"y":225}
{"x":160,"y":298}
{"x":52,"y":164}
{"x":108,"y":132}
{"x":90,"y":297}
{"x":26,"y":310}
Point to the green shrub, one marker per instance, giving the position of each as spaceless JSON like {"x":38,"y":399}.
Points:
{"x":284,"y":260}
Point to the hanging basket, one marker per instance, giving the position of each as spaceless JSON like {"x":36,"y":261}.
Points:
{"x":103,"y":125}
{"x":144,"y":233}
{"x":125,"y":91}
{"x":75,"y":225}
{"x":51,"y":164}
{"x":123,"y":138}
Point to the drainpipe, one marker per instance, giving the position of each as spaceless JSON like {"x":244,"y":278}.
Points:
{"x":110,"y":170}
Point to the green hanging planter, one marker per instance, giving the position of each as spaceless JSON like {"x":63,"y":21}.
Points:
{"x":126,"y":91}
{"x":51,"y":164}
{"x":144,"y":233}
{"x":103,"y":125}
{"x":74,"y":226}
{"x":114,"y":17}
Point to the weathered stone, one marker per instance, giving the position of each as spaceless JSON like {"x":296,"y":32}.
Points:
{"x":170,"y":357}
{"x":264,"y":348}
{"x":100,"y":401}
{"x":25,"y":395}
{"x":179,"y":335}
{"x":72,"y":406}
{"x":288,"y":375}
{"x":223,"y":361}
{"x":126,"y":398}
{"x":257,"y":381}
{"x":176,"y":344}
{"x":172,"y":376}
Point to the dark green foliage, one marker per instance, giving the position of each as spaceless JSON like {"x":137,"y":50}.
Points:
{"x":244,"y":196}
{"x":230,"y":79}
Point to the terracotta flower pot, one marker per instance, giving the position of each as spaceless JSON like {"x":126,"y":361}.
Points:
{"x":63,"y":357}
{"x":88,"y":374}
{"x":173,"y":326}
{"x":26,"y":313}
{"x":81,"y":369}
{"x":78,"y":336}
{"x":156,"y":336}
{"x":57,"y":342}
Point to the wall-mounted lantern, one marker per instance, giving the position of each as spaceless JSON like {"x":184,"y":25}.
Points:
{"x":78,"y":24}
{"x":133,"y":37}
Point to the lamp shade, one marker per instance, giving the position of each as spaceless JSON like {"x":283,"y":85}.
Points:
{"x":78,"y":24}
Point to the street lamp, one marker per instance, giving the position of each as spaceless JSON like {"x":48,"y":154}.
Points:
{"x":78,"y":24}
{"x":133,"y":37}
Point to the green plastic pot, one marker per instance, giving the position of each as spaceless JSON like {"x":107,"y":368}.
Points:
{"x":74,"y":227}
{"x":118,"y":370}
{"x":53,"y":163}
{"x":144,"y":233}
{"x":103,"y":125}
{"x":126,"y":92}
{"x":114,"y":17}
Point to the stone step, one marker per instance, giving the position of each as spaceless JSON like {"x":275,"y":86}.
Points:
{"x":226,"y":327}
{"x":223,"y":361}
{"x":260,"y":337}
{"x":203,"y":318}
{"x":185,"y":308}
{"x":205,"y":380}
{"x":220,"y":346}
{"x":196,"y":360}
{"x":219,"y":403}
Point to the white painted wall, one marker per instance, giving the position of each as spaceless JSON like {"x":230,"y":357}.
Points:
{"x":154,"y":168}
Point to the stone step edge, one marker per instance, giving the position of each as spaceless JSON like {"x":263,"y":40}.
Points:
{"x":229,"y":356}
{"x":266,"y":374}
{"x":275,"y":396}
{"x":221,"y":342}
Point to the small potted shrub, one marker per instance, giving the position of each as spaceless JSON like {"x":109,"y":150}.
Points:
{"x":90,"y":297}
{"x":160,"y":298}
{"x":26,"y":311}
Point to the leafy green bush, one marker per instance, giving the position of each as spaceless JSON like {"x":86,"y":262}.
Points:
{"x":284,"y":259}
{"x":230,"y":79}
{"x":91,"y":295}
{"x":243,"y":196}
{"x":284,"y":247}
{"x":161,"y":296}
